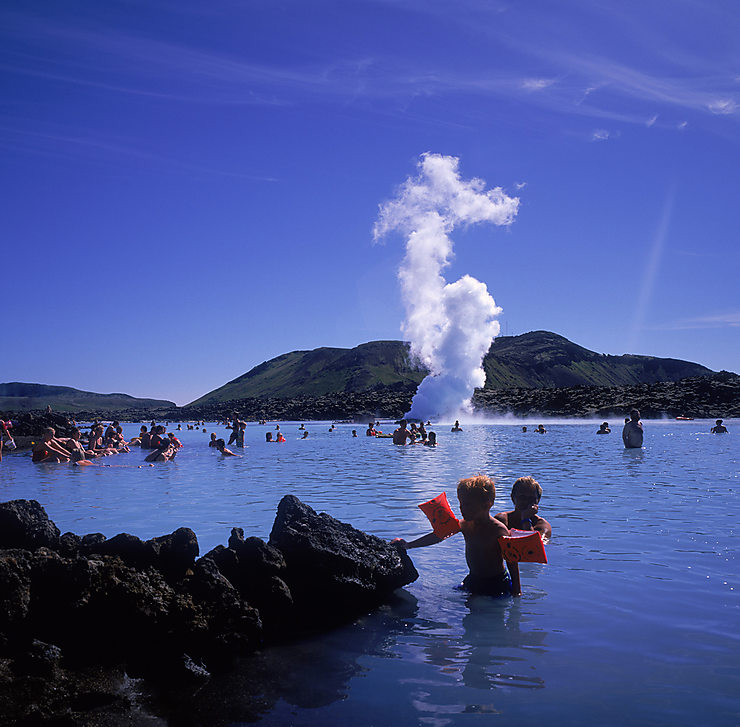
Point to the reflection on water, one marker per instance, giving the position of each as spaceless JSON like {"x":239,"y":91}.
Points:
{"x":634,"y":619}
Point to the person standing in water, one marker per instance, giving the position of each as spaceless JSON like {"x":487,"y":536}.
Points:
{"x":632,"y":432}
{"x":719,"y":428}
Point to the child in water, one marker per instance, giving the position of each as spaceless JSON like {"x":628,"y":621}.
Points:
{"x":488,"y":574}
{"x":526,"y":494}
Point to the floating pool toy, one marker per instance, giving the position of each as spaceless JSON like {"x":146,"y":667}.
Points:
{"x":443,"y":520}
{"x":523,"y":546}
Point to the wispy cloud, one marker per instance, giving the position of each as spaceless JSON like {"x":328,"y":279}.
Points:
{"x":600,"y":135}
{"x":537,"y":84}
{"x":719,"y":320}
{"x":651,"y":121}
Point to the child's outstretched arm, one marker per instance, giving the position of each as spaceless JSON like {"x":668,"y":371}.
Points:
{"x":428,"y":539}
{"x":516,"y":583}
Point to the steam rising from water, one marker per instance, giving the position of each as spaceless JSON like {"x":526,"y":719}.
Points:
{"x":450,"y":325}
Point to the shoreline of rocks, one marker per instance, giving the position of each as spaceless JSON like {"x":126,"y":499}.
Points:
{"x":79,"y":611}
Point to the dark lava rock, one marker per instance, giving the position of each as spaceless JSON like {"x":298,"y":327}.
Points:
{"x":25,"y":524}
{"x":335,"y":571}
{"x":174,"y":554}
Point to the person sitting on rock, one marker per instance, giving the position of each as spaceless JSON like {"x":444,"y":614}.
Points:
{"x":719,"y":427}
{"x":49,"y":449}
{"x":604,"y":428}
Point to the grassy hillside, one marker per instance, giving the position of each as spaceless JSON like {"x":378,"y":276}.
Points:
{"x":533,"y":360}
{"x":17,"y":396}
{"x":541,"y":359}
{"x":323,"y":371}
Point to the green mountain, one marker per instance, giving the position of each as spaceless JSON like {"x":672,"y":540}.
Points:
{"x":370,"y":366}
{"x":539,"y":359}
{"x":17,"y":396}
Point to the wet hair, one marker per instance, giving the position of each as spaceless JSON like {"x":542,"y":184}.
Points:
{"x":634,"y":414}
{"x":220,"y":443}
{"x":432,"y":438}
{"x":479,"y":489}
{"x":268,"y":436}
{"x":718,"y":422}
{"x":529,"y":483}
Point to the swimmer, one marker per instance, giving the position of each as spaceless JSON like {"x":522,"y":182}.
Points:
{"x":719,"y":427}
{"x":164,"y":453}
{"x":402,"y":434}
{"x":221,"y":447}
{"x":213,"y":441}
{"x":268,"y":436}
{"x":541,"y":429}
{"x":305,"y":434}
{"x":431,"y":440}
{"x":370,"y":431}
{"x":488,"y":574}
{"x":524,"y":429}
{"x":604,"y":428}
{"x":456,"y":427}
{"x":280,"y":437}
{"x":302,"y":428}
{"x":176,"y":443}
{"x":354,"y":432}
{"x":526,"y":494}
{"x":632,"y":433}
{"x":49,"y":449}
{"x":240,"y":434}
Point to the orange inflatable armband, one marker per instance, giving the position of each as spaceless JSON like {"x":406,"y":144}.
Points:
{"x":443,"y":520}
{"x":523,"y":546}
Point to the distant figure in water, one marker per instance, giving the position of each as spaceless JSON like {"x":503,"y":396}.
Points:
{"x":280,"y":437}
{"x":401,"y":434}
{"x":541,"y":429}
{"x":370,"y":431}
{"x":305,"y":434}
{"x":456,"y":427}
{"x":604,"y":428}
{"x":632,"y":432}
{"x":524,"y":429}
{"x":221,"y":447}
{"x":431,"y":440}
{"x":213,"y":441}
{"x":719,"y":428}
{"x":268,"y":436}
{"x":240,"y":434}
{"x":354,"y":432}
{"x":302,"y":428}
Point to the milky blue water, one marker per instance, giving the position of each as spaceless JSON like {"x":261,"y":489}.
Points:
{"x":635,"y":620}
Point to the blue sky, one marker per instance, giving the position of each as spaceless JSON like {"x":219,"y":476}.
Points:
{"x":189,"y":188}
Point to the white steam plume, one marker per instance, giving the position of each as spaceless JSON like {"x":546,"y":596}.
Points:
{"x":450,"y":325}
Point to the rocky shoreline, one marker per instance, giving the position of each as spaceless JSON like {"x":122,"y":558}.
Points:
{"x":83,"y":616}
{"x":713,"y":396}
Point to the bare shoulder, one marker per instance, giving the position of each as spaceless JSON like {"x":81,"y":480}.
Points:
{"x":503,"y":517}
{"x":497,"y":526}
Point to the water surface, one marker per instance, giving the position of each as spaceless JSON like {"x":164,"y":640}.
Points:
{"x":633,"y":621}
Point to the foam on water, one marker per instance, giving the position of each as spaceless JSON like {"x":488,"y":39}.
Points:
{"x":633,"y":621}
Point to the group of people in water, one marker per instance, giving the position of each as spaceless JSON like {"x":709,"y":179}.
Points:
{"x":103,"y":441}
